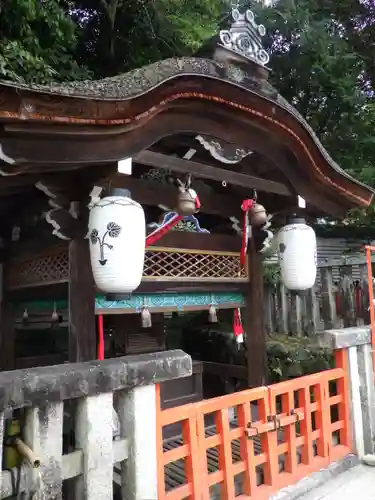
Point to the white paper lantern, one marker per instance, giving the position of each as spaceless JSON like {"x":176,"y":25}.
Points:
{"x":297,"y":255}
{"x":117,"y":233}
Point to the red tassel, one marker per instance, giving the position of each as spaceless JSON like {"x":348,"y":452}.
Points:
{"x":101,"y":337}
{"x":237,"y":326}
{"x":197,"y":200}
{"x":245,"y":207}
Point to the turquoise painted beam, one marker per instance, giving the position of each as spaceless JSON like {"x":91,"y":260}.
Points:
{"x":158,"y":301}
{"x":176,"y":301}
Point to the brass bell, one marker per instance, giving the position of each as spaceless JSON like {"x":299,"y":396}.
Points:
{"x":185,"y":203}
{"x":258,"y":215}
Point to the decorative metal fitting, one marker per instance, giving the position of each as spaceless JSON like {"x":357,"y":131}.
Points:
{"x":294,"y":413}
{"x":244,"y":37}
{"x":276,"y":422}
{"x":251,"y":431}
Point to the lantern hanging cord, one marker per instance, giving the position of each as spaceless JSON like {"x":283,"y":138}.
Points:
{"x":255,"y":195}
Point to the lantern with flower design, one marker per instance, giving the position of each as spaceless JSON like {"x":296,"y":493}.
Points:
{"x":117,"y":232}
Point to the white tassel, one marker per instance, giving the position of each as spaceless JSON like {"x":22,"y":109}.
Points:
{"x":55,"y":316}
{"x":25,"y":316}
{"x":146,"y":317}
{"x":239,"y":338}
{"x":212,"y":314}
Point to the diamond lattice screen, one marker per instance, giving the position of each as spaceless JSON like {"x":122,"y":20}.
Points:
{"x":159,"y":264}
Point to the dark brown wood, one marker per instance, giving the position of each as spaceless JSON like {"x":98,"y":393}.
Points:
{"x":175,"y":393}
{"x":8,"y":336}
{"x":82,"y":333}
{"x":234,"y":108}
{"x":200,"y":241}
{"x":254,"y":321}
{"x":201,"y":170}
{"x":57,"y":291}
{"x":225,"y":370}
{"x":177,"y":286}
{"x":65,"y":226}
{"x":45,"y":244}
{"x":305,"y":186}
{"x":13,"y":183}
{"x":180,"y":392}
{"x":173,"y":239}
{"x":114,"y":147}
{"x":152,"y":193}
{"x":33,"y":361}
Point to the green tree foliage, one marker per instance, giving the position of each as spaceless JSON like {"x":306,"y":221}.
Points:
{"x":119,"y":35}
{"x":322,"y":56}
{"x":316,"y":66}
{"x":38,"y":40}
{"x":322,"y":53}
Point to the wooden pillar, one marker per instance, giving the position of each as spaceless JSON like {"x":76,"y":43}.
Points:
{"x":8,"y":337}
{"x":328,"y":302}
{"x":7,"y":328}
{"x":82,"y":333}
{"x":282,"y":309}
{"x":295,"y":321}
{"x":254,"y":321}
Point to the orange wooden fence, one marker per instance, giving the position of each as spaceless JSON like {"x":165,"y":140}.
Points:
{"x":280,"y":434}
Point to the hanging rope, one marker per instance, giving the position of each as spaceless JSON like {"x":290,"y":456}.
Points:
{"x":245,"y":207}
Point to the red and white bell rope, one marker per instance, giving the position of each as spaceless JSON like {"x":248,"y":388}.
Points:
{"x":245,"y":207}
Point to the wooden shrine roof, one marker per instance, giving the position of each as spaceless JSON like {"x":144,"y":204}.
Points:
{"x":86,"y":126}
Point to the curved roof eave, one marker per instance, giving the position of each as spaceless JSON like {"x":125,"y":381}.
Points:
{"x":111,"y":101}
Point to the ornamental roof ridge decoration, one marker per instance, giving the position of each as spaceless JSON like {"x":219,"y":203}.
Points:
{"x":244,"y":37}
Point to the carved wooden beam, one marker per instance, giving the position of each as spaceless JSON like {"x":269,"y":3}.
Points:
{"x":151,"y":193}
{"x":174,"y":164}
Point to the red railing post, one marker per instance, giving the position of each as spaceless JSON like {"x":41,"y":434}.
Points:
{"x":341,"y":360}
{"x":159,"y":444}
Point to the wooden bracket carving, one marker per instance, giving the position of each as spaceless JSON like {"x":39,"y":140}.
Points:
{"x":6,"y":159}
{"x":64,"y":215}
{"x":67,"y":216}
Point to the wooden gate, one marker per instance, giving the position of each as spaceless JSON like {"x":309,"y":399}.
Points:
{"x":252,"y":443}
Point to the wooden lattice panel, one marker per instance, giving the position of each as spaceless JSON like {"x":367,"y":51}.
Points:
{"x":38,"y":270}
{"x":160,"y":264}
{"x":195,"y":265}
